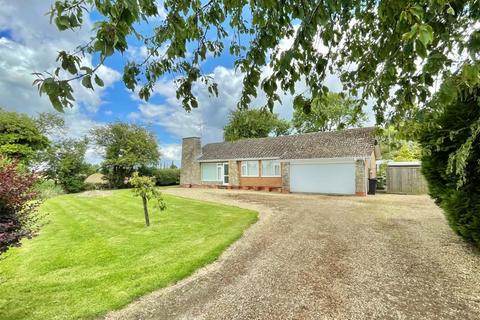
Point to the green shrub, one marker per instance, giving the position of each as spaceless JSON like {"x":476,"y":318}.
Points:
{"x":451,"y":141}
{"x":73,"y":184}
{"x":167,"y":177}
{"x":382,"y":176}
{"x":48,"y":189}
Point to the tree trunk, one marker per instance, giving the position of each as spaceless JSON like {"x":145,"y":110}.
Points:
{"x":145,"y":211}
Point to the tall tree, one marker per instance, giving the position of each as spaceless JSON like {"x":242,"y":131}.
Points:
{"x":66,"y":164}
{"x":254,"y":123}
{"x":126,"y":147}
{"x":328,"y":112}
{"x":20,"y":137}
{"x":49,"y":123}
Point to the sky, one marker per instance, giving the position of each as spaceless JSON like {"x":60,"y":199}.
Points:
{"x":29,"y":43}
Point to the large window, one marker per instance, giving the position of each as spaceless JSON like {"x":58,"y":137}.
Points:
{"x":270,"y":168}
{"x":211,"y":172}
{"x":250,"y":169}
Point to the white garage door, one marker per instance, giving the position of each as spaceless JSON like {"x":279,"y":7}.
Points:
{"x":335,"y":178}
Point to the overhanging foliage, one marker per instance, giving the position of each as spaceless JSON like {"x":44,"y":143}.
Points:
{"x":389,"y":51}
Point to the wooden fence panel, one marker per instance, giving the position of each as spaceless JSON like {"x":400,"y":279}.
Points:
{"x":406,"y":180}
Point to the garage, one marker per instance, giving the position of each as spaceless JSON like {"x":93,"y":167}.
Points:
{"x":323,"y":177}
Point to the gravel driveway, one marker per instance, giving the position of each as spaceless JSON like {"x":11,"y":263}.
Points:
{"x":321,"y":257}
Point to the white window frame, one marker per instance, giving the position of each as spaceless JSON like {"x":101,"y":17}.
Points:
{"x":244,"y":169}
{"x":275,"y":163}
{"x":218,"y":165}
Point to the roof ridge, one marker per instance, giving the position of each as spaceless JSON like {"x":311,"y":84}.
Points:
{"x":291,"y":135}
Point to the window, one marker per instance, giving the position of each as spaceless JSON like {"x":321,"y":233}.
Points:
{"x":270,"y":168}
{"x":249,"y":168}
{"x":211,"y":172}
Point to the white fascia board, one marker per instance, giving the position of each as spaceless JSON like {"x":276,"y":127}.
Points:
{"x":239,"y":159}
{"x":324,"y":160}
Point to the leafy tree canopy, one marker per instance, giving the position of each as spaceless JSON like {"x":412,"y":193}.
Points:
{"x":329,"y":112}
{"x":389,"y":51}
{"x":126,"y":147}
{"x":409,"y":151}
{"x":49,"y":123}
{"x":20,"y":137}
{"x":395,"y":145}
{"x":254,"y":123}
{"x":66,"y":164}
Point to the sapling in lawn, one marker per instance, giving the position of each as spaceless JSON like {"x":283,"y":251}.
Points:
{"x":144,"y":187}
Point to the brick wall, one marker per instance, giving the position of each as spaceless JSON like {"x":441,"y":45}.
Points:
{"x":274,"y":182}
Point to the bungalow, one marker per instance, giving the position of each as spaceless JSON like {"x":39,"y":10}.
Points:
{"x":337,"y":162}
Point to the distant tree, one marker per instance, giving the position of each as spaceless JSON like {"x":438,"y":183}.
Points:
{"x":254,"y":123}
{"x":409,"y":151}
{"x":144,"y":187}
{"x":329,"y":112}
{"x":92,"y":168}
{"x":173,"y":166}
{"x":20,"y":137}
{"x":49,"y":123}
{"x":18,"y":204}
{"x":126,"y":148}
{"x":390,"y":141}
{"x":66,"y":164}
{"x":396,"y":146}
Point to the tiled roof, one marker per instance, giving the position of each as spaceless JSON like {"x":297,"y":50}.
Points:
{"x":338,"y":144}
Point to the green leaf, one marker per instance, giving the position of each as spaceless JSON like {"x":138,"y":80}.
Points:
{"x":425,"y":34}
{"x":99,"y":81}
{"x":86,"y":69}
{"x":417,"y":11}
{"x":474,"y":43}
{"x":87,"y":82}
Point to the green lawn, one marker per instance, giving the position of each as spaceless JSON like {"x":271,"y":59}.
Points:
{"x":96,"y":255}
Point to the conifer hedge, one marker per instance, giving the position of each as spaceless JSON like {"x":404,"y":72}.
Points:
{"x":450,"y":139}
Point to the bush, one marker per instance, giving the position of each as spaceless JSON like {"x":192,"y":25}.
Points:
{"x":47,"y":189}
{"x":451,"y":162}
{"x":382,"y":176}
{"x":73,"y":184}
{"x":18,"y":204}
{"x":167,"y":177}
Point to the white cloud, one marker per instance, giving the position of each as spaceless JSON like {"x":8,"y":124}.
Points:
{"x":171,"y":152}
{"x":34,"y":47}
{"x":208,"y":120}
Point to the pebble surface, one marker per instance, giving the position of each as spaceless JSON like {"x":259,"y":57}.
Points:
{"x":325,"y":257}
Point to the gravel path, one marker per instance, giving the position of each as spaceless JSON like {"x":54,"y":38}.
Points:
{"x":320,"y":257}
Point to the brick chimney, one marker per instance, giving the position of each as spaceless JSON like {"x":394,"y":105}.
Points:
{"x":190,"y":171}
